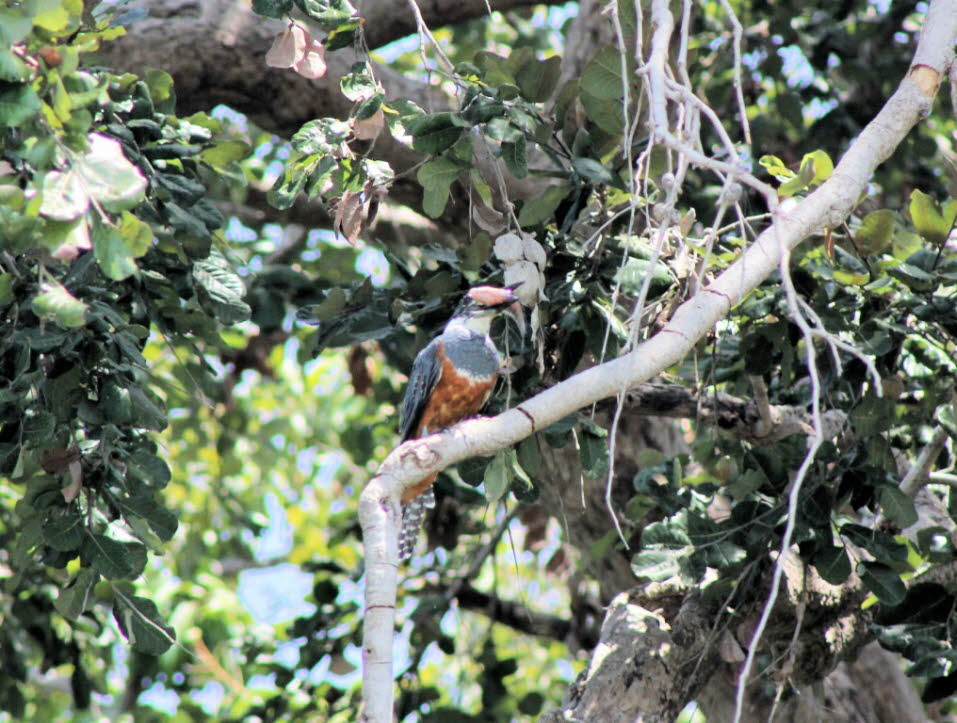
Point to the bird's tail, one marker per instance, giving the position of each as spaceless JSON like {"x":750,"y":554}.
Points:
{"x":413,"y":513}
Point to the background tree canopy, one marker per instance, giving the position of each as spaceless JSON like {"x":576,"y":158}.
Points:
{"x":225,"y":232}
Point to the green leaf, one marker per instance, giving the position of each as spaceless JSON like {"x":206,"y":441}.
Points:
{"x":436,"y":178}
{"x":108,"y":176}
{"x":57,"y":304}
{"x":932,"y":223}
{"x":64,"y":196}
{"x":530,"y":455}
{"x":882,"y":581}
{"x":183,"y":189}
{"x":540,"y":208}
{"x":821,"y":164}
{"x":632,"y":275}
{"x":607,"y":115}
{"x":12,"y":69}
{"x":657,"y":565}
{"x":64,"y":532}
{"x":323,"y":135}
{"x":399,"y":115}
{"x":872,"y":415}
{"x":149,"y":469}
{"x":593,"y":453}
{"x":432,"y":134}
{"x":114,"y":560}
{"x":343,"y":35}
{"x":141,"y":624}
{"x":724,"y":555}
{"x":775,"y":166}
{"x":115,"y":404}
{"x":592,"y":170}
{"x":225,"y":152}
{"x":184,"y":220}
{"x":116,"y":247}
{"x":495,"y":69}
{"x":537,"y":79}
{"x":272,"y":8}
{"x":514,"y":155}
{"x":876,"y":232}
{"x":358,"y":84}
{"x":284,"y":191}
{"x":898,"y":506}
{"x":15,"y":25}
{"x":161,"y":90}
{"x":222,"y":288}
{"x":832,"y":564}
{"x":18,"y":105}
{"x":497,"y":476}
{"x":6,"y":289}
{"x":750,"y":481}
{"x":148,"y":413}
{"x":330,"y":14}
{"x":601,"y":78}
{"x":77,"y":597}
{"x":799,"y":182}
{"x":881,"y":545}
{"x":161,"y":521}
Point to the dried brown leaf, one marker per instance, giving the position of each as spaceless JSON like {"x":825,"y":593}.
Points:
{"x":313,"y":62}
{"x":289,"y":47}
{"x":368,"y":129}
{"x":348,"y":220}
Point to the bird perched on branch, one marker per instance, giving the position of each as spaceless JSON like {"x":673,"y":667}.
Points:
{"x":451,"y":379}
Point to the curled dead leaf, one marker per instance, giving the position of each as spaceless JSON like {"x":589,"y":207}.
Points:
{"x":313,"y":62}
{"x":508,"y":248}
{"x":72,"y":490}
{"x":348,"y":220}
{"x":368,"y":129}
{"x":728,"y":648}
{"x":487,"y":219}
{"x":289,"y":47}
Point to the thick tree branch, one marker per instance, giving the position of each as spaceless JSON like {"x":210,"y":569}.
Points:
{"x":215,"y":52}
{"x":741,"y":417}
{"x":827,"y":206}
{"x":395,"y":225}
{"x":519,"y":617}
{"x":645,"y":665}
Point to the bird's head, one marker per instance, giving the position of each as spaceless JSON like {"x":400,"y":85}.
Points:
{"x":483,"y":303}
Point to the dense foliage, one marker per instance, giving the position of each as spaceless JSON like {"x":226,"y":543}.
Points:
{"x":164,"y":409}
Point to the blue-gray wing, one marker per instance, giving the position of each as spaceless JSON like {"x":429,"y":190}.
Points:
{"x":426,"y":370}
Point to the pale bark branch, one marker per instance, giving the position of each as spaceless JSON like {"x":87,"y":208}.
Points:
{"x":827,"y":206}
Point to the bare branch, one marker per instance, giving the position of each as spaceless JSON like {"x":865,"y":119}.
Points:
{"x":826,"y":206}
{"x":917,"y":475}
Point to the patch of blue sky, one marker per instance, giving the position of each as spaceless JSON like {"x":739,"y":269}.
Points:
{"x":159,"y":697}
{"x":210,"y":697}
{"x":235,"y":118}
{"x":795,"y":67}
{"x":276,"y":540}
{"x":287,"y":654}
{"x":237,"y":231}
{"x":551,"y":17}
{"x":372,"y":263}
{"x":276,"y":594}
{"x":261,"y":681}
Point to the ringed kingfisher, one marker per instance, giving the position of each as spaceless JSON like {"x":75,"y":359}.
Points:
{"x":451,"y":379}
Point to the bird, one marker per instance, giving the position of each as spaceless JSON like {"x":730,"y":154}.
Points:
{"x":451,"y":379}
